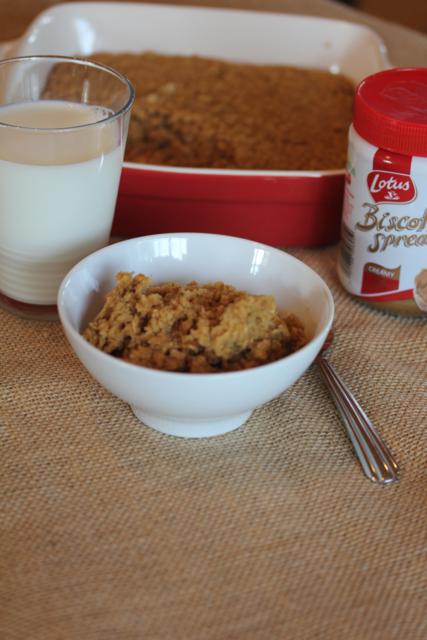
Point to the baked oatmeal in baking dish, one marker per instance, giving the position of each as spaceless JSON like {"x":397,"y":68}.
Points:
{"x":193,"y":111}
{"x":199,"y":112}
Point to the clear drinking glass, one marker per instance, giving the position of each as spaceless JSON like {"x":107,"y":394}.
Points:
{"x":63,"y":129}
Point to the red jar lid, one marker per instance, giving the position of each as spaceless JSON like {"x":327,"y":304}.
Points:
{"x":390,"y":110}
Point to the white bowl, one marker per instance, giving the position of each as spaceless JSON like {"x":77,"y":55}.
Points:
{"x":189,"y":404}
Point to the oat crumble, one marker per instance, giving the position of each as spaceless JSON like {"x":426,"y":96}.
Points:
{"x":192,"y":111}
{"x":192,"y":328}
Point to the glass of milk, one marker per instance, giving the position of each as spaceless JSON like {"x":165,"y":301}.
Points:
{"x":63,"y":128}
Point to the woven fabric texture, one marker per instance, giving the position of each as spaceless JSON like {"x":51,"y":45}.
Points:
{"x":112,"y":531}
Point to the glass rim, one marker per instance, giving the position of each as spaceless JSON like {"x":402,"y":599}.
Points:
{"x":81,"y":62}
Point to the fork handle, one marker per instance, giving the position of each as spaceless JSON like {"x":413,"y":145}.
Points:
{"x":373,"y":454}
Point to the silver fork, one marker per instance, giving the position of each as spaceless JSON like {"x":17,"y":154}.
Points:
{"x":375,"y":457}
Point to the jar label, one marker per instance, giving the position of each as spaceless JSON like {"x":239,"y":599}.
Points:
{"x":383,"y":253}
{"x":390,"y":179}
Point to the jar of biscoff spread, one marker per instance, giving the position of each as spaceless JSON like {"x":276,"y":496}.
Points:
{"x":383,"y":251}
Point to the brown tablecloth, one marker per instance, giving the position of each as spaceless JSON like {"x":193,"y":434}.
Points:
{"x":112,"y":531}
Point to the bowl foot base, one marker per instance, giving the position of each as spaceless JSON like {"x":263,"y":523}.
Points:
{"x":191,"y":427}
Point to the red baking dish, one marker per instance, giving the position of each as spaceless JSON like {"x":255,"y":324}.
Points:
{"x":279,"y":208}
{"x":296,"y":210}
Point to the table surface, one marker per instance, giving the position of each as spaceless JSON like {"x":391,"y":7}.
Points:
{"x":112,"y":531}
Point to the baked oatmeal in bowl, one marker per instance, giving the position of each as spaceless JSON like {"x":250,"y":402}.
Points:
{"x":194,"y":331}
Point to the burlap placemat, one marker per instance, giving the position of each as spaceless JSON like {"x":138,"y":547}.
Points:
{"x":111,"y":531}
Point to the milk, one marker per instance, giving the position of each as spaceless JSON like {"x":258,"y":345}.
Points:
{"x":57,"y":194}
